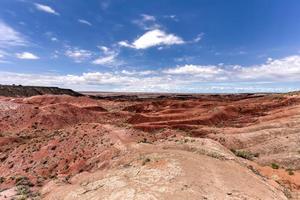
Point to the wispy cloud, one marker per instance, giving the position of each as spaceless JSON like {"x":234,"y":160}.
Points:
{"x":146,"y":22}
{"x":3,"y":55}
{"x":198,"y":37}
{"x":82,"y":21}
{"x":146,"y":17}
{"x":172,"y":17}
{"x":45,"y":8}
{"x":10,"y":37}
{"x":78,"y":55}
{"x":153,"y":38}
{"x":27,"y":56}
{"x":104,"y":60}
{"x":54,"y":39}
{"x":108,"y":56}
{"x":105,"y":4}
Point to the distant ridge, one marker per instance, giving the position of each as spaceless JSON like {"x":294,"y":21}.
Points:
{"x":27,"y":91}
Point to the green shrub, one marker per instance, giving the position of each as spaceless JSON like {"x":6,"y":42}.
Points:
{"x":275,"y":166}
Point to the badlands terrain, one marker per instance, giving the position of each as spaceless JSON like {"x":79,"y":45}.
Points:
{"x":149,"y":146}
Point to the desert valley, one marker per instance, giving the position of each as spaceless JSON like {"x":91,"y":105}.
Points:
{"x":60,"y":144}
{"x":149,"y":100}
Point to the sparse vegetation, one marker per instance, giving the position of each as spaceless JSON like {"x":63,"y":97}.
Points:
{"x":244,"y":154}
{"x":144,"y":140}
{"x":23,"y":180}
{"x":146,"y":160}
{"x":290,"y":172}
{"x":274,"y":166}
{"x":2,"y":179}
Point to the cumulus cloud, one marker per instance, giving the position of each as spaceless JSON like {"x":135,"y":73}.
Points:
{"x":27,"y":56}
{"x":287,"y":68}
{"x":78,"y":55}
{"x":186,"y":78}
{"x":153,"y":38}
{"x":10,"y":37}
{"x":278,"y":69}
{"x":82,"y":21}
{"x":45,"y":8}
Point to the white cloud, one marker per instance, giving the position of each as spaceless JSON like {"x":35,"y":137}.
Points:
{"x":198,"y":37}
{"x":3,"y":55}
{"x":146,"y":22}
{"x":140,"y":73}
{"x":172,"y":17}
{"x":148,"y":17}
{"x":125,"y":44}
{"x":45,"y":8}
{"x":10,"y":37}
{"x":54,"y":39}
{"x":285,"y":68}
{"x":186,"y":78}
{"x":153,"y":38}
{"x":104,"y":60}
{"x":105,"y":49}
{"x":27,"y":56}
{"x":82,"y":21}
{"x":108,"y":56}
{"x":194,"y":70}
{"x":78,"y":55}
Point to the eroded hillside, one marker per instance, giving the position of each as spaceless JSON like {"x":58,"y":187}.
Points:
{"x":163,"y":147}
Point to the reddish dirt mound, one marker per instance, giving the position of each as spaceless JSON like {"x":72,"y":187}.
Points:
{"x":48,"y":112}
{"x":212,"y":112}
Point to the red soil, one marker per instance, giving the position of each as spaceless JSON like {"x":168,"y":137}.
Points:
{"x":46,"y":137}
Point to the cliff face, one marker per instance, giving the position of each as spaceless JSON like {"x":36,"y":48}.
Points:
{"x":27,"y":91}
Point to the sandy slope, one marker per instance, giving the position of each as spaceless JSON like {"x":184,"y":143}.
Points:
{"x":186,"y":169}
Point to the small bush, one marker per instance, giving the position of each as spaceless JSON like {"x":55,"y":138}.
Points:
{"x":2,"y":179}
{"x":275,"y":166}
{"x":145,"y":141}
{"x":244,"y":154}
{"x":23,"y":181}
{"x":146,"y":161}
{"x":290,"y":172}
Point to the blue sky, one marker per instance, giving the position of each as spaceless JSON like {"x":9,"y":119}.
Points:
{"x":152,"y":46}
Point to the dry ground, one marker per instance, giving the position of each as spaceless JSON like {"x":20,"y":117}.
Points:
{"x":157,"y":147}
